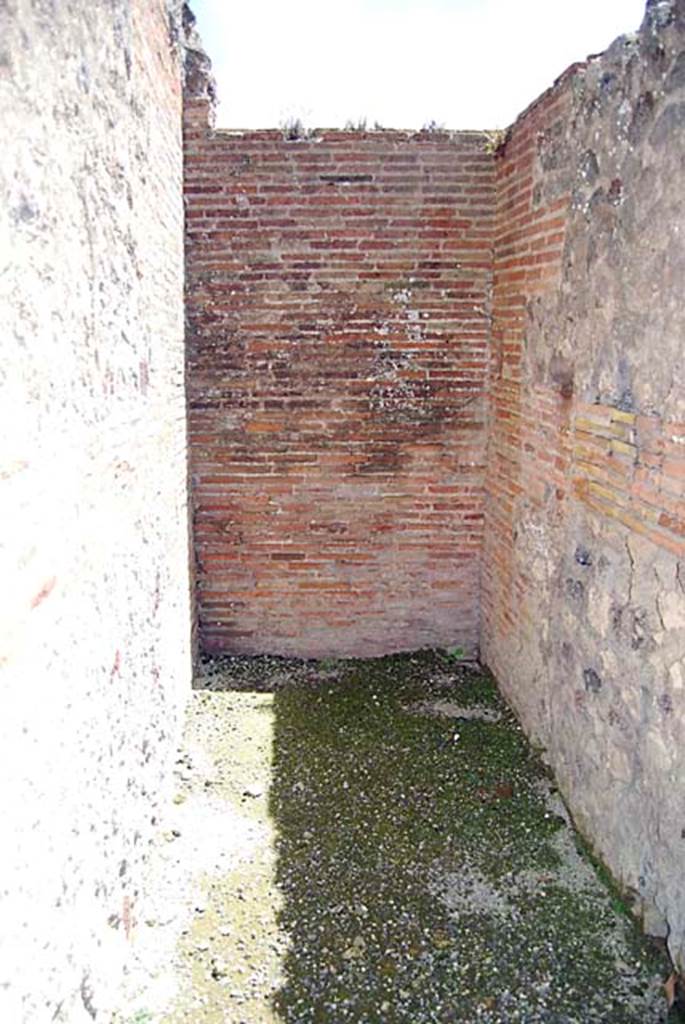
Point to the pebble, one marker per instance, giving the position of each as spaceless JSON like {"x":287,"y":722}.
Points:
{"x":253,"y":791}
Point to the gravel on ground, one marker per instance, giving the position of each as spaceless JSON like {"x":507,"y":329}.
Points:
{"x":376,"y":841}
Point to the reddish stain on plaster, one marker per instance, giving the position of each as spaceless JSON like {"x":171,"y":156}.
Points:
{"x":44,"y":592}
{"x":144,"y":376}
{"x":116,"y":666}
{"x":127,"y":916}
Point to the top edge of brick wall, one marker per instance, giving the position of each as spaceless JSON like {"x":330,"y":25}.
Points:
{"x":316,"y":136}
{"x":557,"y":88}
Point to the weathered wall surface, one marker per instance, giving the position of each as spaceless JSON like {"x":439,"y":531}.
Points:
{"x":338,"y":300}
{"x":584,"y":564}
{"x":94,"y":655}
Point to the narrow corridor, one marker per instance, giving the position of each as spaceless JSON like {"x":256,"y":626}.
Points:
{"x":398,"y":853}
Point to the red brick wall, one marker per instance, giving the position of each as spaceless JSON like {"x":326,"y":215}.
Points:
{"x":528,"y":437}
{"x":337,"y":304}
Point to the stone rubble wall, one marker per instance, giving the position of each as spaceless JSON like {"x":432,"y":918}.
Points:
{"x":338,"y":290}
{"x":584,"y":553}
{"x":94,"y":656}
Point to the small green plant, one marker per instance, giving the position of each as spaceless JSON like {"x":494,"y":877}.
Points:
{"x":618,"y":895}
{"x":356,"y":126}
{"x":329,"y":664}
{"x":433,"y":126}
{"x":494,"y":140}
{"x":293,"y":129}
{"x":455,"y":653}
{"x":141,"y":1017}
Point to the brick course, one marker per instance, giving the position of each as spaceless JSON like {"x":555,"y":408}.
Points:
{"x":337,"y":304}
{"x":528,"y":437}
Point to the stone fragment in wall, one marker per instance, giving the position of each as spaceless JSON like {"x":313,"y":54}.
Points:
{"x":658,"y":750}
{"x":671,"y":608}
{"x":609,"y":664}
{"x":676,"y":76}
{"x":654,"y":922}
{"x":669,"y":646}
{"x":632,"y":699}
{"x":668,"y":124}
{"x":659,"y":14}
{"x":198,"y":80}
{"x":583,"y":556}
{"x":676,"y":675}
{"x":599,"y":607}
{"x":592,"y":680}
{"x":621,"y":765}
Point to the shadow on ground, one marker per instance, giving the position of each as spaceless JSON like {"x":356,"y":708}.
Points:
{"x":426,"y":868}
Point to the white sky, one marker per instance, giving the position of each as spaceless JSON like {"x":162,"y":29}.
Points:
{"x":402,"y":63}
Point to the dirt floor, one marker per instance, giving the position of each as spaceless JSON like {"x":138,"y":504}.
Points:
{"x":377,"y":842}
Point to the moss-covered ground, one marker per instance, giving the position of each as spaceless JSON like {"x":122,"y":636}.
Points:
{"x":423,"y":867}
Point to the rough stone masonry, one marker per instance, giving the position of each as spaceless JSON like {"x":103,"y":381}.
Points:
{"x":583,"y":563}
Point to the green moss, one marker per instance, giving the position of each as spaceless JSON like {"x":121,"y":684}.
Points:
{"x":374,"y":804}
{"x":618,"y":897}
